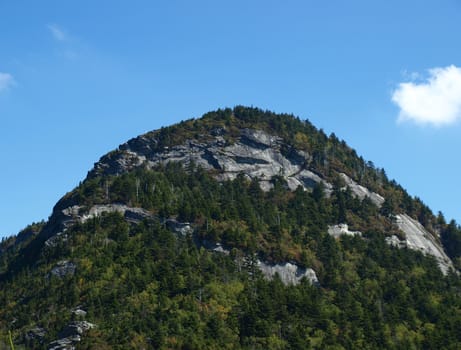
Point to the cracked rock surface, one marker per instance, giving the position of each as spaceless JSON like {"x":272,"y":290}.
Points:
{"x":255,"y":154}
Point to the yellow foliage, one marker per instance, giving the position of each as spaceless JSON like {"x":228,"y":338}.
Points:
{"x":85,"y":264}
{"x":301,"y":140}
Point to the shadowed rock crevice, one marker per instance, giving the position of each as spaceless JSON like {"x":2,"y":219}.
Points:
{"x":250,"y":160}
{"x":209,"y":157}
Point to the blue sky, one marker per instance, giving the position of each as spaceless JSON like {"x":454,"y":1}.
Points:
{"x":78,"y":78}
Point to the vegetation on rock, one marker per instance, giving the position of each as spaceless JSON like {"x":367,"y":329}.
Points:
{"x":145,"y":286}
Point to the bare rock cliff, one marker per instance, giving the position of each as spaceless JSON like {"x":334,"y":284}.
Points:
{"x":254,"y":153}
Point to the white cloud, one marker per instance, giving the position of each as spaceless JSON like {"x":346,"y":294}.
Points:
{"x":58,"y":33}
{"x":6,"y":81}
{"x":435,"y":101}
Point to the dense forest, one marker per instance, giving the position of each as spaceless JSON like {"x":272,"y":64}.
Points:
{"x":143,"y":285}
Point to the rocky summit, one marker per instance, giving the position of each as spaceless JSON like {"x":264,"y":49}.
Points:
{"x":242,"y":229}
{"x":260,"y":156}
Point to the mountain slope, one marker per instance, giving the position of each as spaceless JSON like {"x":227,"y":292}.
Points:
{"x":241,"y":229}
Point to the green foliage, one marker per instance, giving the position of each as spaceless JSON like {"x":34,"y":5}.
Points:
{"x":145,"y":286}
{"x":451,"y":239}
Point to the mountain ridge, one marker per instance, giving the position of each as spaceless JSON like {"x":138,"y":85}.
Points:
{"x":263,"y":194}
{"x":249,"y":155}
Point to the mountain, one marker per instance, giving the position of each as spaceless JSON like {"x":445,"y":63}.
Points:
{"x":241,"y":229}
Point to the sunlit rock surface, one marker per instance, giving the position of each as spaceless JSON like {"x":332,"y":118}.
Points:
{"x":341,"y":230}
{"x":256,"y":154}
{"x":290,"y":274}
{"x":131,"y":214}
{"x":71,"y":335}
{"x":418,"y":238}
{"x":362,"y":192}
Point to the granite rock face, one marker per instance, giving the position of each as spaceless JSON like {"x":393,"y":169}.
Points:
{"x":58,"y":238}
{"x":394,"y":241}
{"x":256,"y":154}
{"x":341,"y":230}
{"x":67,"y":217}
{"x":134,"y":215}
{"x":70,"y":335}
{"x":289,"y":273}
{"x":418,"y":238}
{"x":362,"y":192}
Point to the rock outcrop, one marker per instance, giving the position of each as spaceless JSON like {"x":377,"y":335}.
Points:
{"x":181,"y":228}
{"x":63,"y":268}
{"x":394,"y":241}
{"x":79,"y":312}
{"x":134,"y":215}
{"x":341,"y":230}
{"x":362,"y":192}
{"x":69,"y":216}
{"x":70,"y":335}
{"x":255,"y":153}
{"x":289,"y":273}
{"x":418,"y":238}
{"x":36,"y":334}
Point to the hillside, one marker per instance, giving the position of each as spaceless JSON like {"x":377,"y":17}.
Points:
{"x":241,"y":229}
